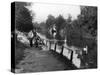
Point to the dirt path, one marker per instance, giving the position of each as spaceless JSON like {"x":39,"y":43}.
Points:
{"x":38,"y":61}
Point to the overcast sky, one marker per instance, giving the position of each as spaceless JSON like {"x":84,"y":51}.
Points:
{"x":42,"y":10}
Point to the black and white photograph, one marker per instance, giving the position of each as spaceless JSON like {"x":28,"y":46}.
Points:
{"x":49,"y":37}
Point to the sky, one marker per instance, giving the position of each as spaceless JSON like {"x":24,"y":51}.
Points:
{"x":42,"y":10}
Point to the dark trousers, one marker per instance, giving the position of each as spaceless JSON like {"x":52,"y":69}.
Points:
{"x":31,"y":42}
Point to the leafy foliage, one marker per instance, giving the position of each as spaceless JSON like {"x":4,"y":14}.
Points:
{"x":59,"y":25}
{"x":88,"y":19}
{"x":50,"y":21}
{"x":23,"y":19}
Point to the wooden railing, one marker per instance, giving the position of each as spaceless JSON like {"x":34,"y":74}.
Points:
{"x":55,"y":47}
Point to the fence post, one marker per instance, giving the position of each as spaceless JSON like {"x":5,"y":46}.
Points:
{"x":49,"y":45}
{"x":62,"y":50}
{"x":55,"y":47}
{"x":71,"y":56}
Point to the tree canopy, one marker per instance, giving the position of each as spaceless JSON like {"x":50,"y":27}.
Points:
{"x":23,"y":19}
{"x":88,"y":19}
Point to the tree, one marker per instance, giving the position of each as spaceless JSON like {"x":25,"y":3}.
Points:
{"x":88,"y":19}
{"x":23,"y":19}
{"x":49,"y":24}
{"x":89,"y":23}
{"x":50,"y":21}
{"x":43,"y":28}
{"x":59,"y":27}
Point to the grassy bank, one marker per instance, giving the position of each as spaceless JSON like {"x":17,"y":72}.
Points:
{"x":19,"y":52}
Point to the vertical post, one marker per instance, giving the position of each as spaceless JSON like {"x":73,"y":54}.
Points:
{"x":31,"y":42}
{"x":55,"y":47}
{"x":71,"y":56}
{"x":62,"y":50}
{"x":49,"y":45}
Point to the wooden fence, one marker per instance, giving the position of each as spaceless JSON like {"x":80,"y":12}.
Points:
{"x":55,"y":47}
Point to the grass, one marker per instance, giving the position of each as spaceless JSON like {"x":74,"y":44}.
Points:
{"x":19,"y":52}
